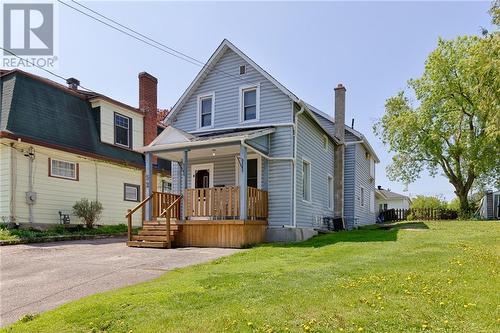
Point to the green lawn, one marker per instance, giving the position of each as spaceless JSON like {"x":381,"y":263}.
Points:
{"x":432,"y":276}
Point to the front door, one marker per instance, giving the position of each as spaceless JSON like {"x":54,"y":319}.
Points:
{"x":202,"y":175}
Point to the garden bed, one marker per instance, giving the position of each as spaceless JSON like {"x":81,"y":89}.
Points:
{"x":13,"y":236}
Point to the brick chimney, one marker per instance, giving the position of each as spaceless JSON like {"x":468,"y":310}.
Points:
{"x":148,"y":103}
{"x":339,"y":152}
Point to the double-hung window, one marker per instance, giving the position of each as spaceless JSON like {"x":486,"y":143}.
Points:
{"x":205,"y":111}
{"x":123,"y":130}
{"x":306,"y":180}
{"x":249,"y":103}
{"x":63,"y":169}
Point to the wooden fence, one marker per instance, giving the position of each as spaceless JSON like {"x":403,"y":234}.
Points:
{"x":417,"y":214}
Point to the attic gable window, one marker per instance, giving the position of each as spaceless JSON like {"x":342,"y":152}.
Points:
{"x":243,"y":69}
{"x":206,"y":104}
{"x":123,"y":130}
{"x":249,"y":99}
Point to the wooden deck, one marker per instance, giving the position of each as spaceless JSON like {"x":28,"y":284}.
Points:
{"x":211,"y":219}
{"x":221,"y":233}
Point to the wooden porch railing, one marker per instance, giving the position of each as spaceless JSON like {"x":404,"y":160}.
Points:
{"x":173,"y":208}
{"x":161,"y":202}
{"x":257,"y":204}
{"x":220,"y":203}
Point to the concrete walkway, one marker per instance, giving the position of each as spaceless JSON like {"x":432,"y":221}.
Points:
{"x":40,"y":277}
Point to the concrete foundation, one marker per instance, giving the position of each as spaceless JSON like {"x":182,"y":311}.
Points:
{"x":289,"y":235}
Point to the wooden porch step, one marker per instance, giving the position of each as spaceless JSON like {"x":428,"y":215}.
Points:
{"x":160,"y":245}
{"x":152,"y":238}
{"x":159,"y":227}
{"x":155,"y":232}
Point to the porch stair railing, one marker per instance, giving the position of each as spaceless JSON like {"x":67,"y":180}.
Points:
{"x":155,"y":233}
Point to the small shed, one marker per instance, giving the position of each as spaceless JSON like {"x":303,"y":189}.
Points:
{"x":489,"y":207}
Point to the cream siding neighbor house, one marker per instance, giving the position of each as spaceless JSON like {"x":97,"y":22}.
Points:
{"x":60,"y":144}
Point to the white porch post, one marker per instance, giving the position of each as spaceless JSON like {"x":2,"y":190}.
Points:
{"x":243,"y":182}
{"x":149,"y":188}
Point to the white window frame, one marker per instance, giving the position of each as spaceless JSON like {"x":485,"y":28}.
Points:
{"x":330,"y":186}
{"x":205,"y":166}
{"x":51,"y":173}
{"x":134,"y":186}
{"x":325,"y":142}
{"x":372,"y":167}
{"x":129,"y":130}
{"x":362,"y":196}
{"x":245,"y":69}
{"x":372,"y":201}
{"x":259,"y":169}
{"x":307,"y":161}
{"x":198,"y":113}
{"x":257,"y":103}
{"x":163,"y":183}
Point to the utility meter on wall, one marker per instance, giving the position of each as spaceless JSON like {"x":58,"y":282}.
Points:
{"x":30,"y":198}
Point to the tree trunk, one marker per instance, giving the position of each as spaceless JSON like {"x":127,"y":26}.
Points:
{"x":463,"y":196}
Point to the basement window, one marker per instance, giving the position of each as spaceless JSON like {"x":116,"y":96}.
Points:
{"x":131,"y":192}
{"x":63,"y":169}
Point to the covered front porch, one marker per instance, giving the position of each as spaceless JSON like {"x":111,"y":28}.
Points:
{"x":219,"y":187}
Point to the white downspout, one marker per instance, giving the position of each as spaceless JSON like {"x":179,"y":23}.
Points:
{"x":295,"y":128}
{"x":13,"y":181}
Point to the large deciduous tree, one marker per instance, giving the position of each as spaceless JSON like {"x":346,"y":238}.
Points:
{"x":451,"y":122}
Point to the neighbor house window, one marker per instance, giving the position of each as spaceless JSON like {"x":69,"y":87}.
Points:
{"x":330,"y":192}
{"x":325,"y":142}
{"x":249,"y":103}
{"x":362,"y":196}
{"x":306,"y":180}
{"x":131,"y":192}
{"x":123,"y":130}
{"x":63,"y":169}
{"x":166,"y":186}
{"x":206,"y":111}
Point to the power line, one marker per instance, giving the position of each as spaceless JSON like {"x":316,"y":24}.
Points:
{"x":44,"y":69}
{"x":138,"y":33}
{"x":164,"y":48}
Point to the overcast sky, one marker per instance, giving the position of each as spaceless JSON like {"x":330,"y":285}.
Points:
{"x":373,"y":48}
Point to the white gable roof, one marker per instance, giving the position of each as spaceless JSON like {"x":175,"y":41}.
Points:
{"x":171,"y":135}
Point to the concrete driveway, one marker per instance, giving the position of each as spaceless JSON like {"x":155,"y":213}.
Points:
{"x":40,"y":277}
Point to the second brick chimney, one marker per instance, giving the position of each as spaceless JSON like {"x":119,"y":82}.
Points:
{"x":148,"y":103}
{"x":339,"y":152}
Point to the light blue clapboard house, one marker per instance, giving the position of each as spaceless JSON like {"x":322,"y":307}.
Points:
{"x":236,"y":130}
